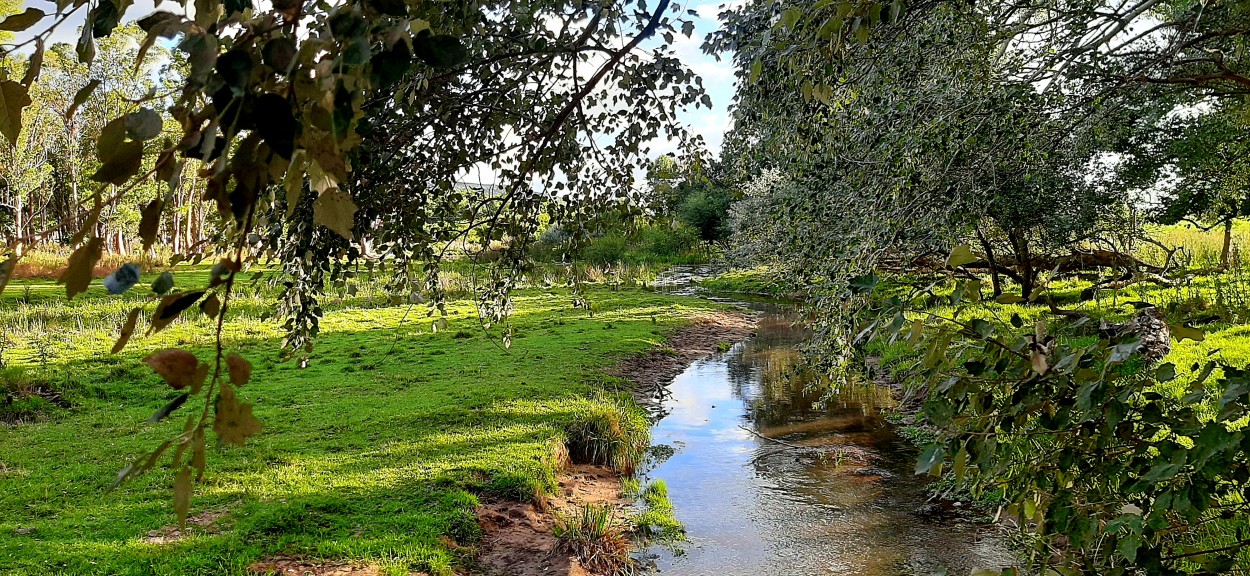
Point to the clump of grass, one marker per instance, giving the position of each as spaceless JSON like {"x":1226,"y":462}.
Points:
{"x":657,"y":521}
{"x":608,"y":433}
{"x":27,"y":397}
{"x":723,"y":346}
{"x":593,"y":534}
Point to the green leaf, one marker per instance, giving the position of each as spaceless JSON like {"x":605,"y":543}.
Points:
{"x":1009,"y":299}
{"x":439,"y":51}
{"x":930,"y":458}
{"x":169,"y":408}
{"x":13,"y":98}
{"x":961,"y":255}
{"x":864,"y":284}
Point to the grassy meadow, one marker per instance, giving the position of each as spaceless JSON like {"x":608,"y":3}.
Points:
{"x":378,"y":450}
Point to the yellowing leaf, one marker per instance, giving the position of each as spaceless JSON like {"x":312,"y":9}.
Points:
{"x":13,"y":98}
{"x":211,"y":306}
{"x":240,"y":369}
{"x":182,"y":495}
{"x":128,"y":329}
{"x":77,"y":274}
{"x":176,"y":366}
{"x":961,"y":255}
{"x":1181,"y":332}
{"x":1009,"y":299}
{"x":234,"y":421}
{"x":335,"y":210}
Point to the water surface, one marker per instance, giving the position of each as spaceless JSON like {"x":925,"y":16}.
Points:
{"x":840,"y":499}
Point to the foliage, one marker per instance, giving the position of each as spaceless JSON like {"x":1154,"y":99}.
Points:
{"x":1112,"y":470}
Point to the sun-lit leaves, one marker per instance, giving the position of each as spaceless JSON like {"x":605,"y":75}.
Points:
{"x":335,"y":210}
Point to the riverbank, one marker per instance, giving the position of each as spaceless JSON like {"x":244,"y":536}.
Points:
{"x":374,"y":458}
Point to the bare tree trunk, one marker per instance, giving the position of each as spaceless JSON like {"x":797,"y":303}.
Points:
{"x":995,"y":279}
{"x":1226,"y":250}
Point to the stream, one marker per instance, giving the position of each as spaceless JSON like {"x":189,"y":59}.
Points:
{"x":768,"y":479}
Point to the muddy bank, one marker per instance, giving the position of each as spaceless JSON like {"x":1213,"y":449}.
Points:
{"x":652,"y":371}
{"x":517,"y":539}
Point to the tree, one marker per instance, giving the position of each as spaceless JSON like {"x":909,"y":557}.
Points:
{"x":1210,"y":159}
{"x":321,"y":129}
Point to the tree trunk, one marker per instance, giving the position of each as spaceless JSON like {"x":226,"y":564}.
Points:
{"x":1225,"y":251}
{"x":995,"y":279}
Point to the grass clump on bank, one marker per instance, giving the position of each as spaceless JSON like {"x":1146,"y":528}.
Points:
{"x":762,"y":281}
{"x":597,"y":538}
{"x":376,"y":452}
{"x":657,"y":520}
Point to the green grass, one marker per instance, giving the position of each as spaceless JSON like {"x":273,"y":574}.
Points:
{"x":760,"y":281}
{"x":373,"y":452}
{"x":657,"y":520}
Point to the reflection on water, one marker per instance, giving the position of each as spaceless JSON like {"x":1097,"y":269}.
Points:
{"x":837,"y":497}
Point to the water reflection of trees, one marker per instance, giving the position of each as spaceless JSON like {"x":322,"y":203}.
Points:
{"x":771,"y":377}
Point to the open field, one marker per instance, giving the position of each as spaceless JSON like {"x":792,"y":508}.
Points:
{"x":377,"y":451}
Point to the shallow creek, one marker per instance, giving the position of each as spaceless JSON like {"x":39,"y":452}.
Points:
{"x":836,"y":495}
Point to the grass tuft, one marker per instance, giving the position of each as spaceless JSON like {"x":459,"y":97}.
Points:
{"x":658,"y":520}
{"x":593,"y":534}
{"x":608,"y":433}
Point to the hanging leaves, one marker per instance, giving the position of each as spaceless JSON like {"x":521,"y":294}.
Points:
{"x":122,"y":279}
{"x":163,"y":283}
{"x":171,"y":306}
{"x":211,"y":306}
{"x":150,"y":222}
{"x":182,"y":495}
{"x":13,"y":98}
{"x":78,"y":270}
{"x":335,"y":210}
{"x":177,"y":367}
{"x":233,"y":421}
{"x":128,"y":329}
{"x":20,"y":22}
{"x":240,"y":369}
{"x":143,"y":124}
{"x":120,"y":164}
